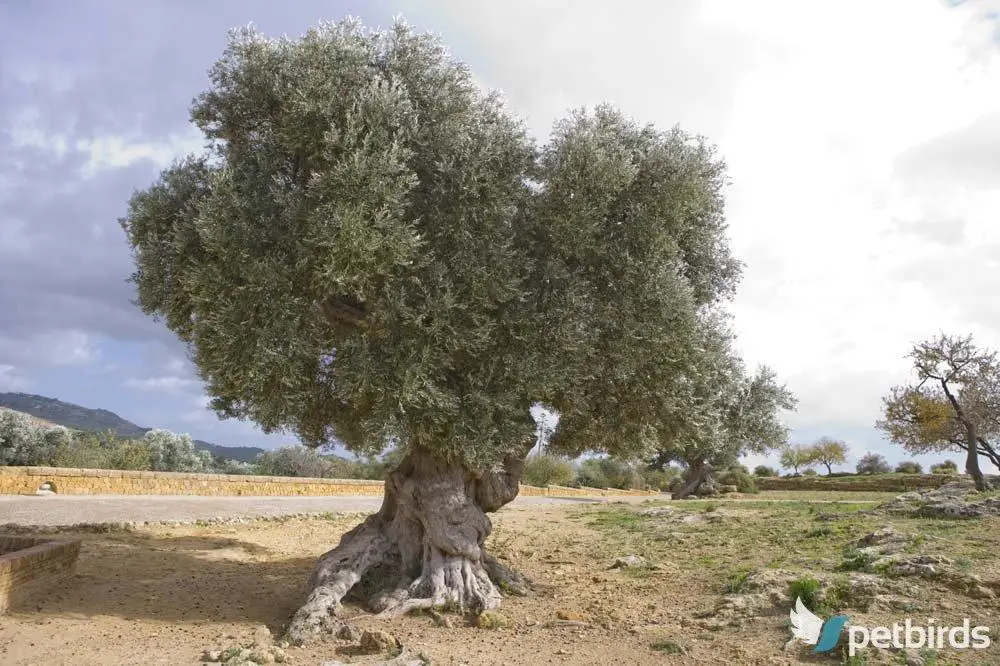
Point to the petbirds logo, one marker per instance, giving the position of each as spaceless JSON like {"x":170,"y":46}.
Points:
{"x":812,"y":630}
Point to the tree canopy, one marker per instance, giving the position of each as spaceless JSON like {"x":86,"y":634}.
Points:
{"x":374,"y":250}
{"x":829,"y":452}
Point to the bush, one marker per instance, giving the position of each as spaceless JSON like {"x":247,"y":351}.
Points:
{"x":608,"y":473}
{"x":873,"y":463}
{"x":738,"y":476}
{"x":294,"y":461}
{"x":171,"y":452}
{"x":809,"y":472}
{"x":544,"y":470}
{"x":947,"y":467}
{"x":230,"y":466}
{"x":764,"y":471}
{"x":24,"y":441}
{"x":909,"y":467}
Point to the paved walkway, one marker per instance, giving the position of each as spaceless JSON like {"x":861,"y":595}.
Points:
{"x":73,"y":509}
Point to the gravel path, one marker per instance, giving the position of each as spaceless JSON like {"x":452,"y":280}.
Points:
{"x":73,"y":509}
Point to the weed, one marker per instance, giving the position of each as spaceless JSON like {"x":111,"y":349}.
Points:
{"x":805,"y":588}
{"x":735,"y":580}
{"x":856,"y":560}
{"x":963,"y":564}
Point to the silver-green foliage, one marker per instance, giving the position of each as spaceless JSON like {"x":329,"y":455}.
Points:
{"x":366,"y":167}
{"x":25,"y":441}
{"x":172,"y":452}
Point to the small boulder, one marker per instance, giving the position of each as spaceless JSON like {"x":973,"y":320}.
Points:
{"x":377,"y":642}
{"x":629,"y":561}
{"x":348,"y":633}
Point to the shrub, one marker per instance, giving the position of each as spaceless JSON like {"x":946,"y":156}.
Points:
{"x":873,"y":463}
{"x":809,"y":472}
{"x":171,"y":452}
{"x":805,"y":588}
{"x":23,"y":440}
{"x":608,"y":473}
{"x":909,"y":467}
{"x":294,"y":461}
{"x":230,"y":466}
{"x":544,"y":470}
{"x":946,"y":467}
{"x":764,"y":471}
{"x":738,"y":476}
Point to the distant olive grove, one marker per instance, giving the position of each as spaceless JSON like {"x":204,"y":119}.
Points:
{"x":27,"y":441}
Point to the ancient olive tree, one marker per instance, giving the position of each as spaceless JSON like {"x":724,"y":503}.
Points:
{"x":829,"y":452}
{"x":955,"y":404}
{"x":728,"y":411}
{"x":373,"y":251}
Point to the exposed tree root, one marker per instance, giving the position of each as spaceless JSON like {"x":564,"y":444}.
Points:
{"x":429,"y":533}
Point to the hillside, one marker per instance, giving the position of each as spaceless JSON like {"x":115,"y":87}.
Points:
{"x":98,"y":420}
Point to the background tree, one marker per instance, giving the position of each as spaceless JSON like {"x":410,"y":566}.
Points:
{"x":543,"y":470}
{"x":873,"y":463}
{"x":764,"y":471}
{"x":955,"y":404}
{"x":829,"y":452}
{"x":909,"y":467}
{"x":372,"y":250}
{"x":797,"y":456}
{"x":730,"y":413}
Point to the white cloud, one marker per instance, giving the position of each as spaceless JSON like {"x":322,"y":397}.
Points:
{"x":168,"y":383}
{"x":11,"y":379}
{"x":116,"y":152}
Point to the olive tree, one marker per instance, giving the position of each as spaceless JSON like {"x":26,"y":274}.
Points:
{"x":372,"y":251}
{"x":953,"y":406}
{"x":729,"y":412}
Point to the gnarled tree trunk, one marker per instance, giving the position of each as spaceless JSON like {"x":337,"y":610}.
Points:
{"x":429,"y":536}
{"x":697,"y":474}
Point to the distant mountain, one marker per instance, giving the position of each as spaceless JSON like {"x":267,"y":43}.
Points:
{"x":98,"y":420}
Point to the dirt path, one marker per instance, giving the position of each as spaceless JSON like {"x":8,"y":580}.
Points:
{"x":76,"y":509}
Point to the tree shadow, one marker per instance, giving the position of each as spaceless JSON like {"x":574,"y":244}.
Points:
{"x":187,"y":579}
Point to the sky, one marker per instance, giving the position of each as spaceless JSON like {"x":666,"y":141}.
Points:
{"x":862,"y":138}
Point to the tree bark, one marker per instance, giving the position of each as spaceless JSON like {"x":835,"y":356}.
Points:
{"x":696,"y":475}
{"x":971,"y":439}
{"x":423,"y":549}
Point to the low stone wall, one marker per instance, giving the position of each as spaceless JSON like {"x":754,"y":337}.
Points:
{"x":31,"y":567}
{"x":896,"y":483}
{"x":70,"y":481}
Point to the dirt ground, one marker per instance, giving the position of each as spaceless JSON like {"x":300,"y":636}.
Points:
{"x":163,"y":595}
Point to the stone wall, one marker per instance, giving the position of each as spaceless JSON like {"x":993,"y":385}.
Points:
{"x":888,"y":483}
{"x":31,"y":567}
{"x":70,"y":481}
